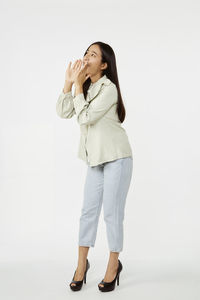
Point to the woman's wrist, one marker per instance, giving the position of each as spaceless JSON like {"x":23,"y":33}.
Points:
{"x":78,"y":89}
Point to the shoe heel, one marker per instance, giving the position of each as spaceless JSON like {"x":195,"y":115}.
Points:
{"x":118,"y":279}
{"x":88,"y":266}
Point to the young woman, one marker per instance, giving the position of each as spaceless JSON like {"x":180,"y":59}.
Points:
{"x":104,"y":146}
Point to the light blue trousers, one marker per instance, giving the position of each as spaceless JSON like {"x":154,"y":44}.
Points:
{"x":107,"y":183}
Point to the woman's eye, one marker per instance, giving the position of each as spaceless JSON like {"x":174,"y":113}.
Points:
{"x":91,"y":54}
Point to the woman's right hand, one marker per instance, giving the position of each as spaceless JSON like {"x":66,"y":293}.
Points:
{"x":71,"y":72}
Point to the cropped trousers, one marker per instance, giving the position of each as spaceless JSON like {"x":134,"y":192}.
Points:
{"x":106,"y":184}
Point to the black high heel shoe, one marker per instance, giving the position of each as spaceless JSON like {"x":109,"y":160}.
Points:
{"x":109,"y":286}
{"x":79,"y":283}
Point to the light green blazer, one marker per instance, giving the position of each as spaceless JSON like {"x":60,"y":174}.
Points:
{"x":102,"y":138}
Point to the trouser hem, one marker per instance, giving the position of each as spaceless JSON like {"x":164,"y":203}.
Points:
{"x":86,"y":245}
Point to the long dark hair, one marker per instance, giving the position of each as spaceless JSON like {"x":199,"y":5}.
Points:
{"x":108,"y":56}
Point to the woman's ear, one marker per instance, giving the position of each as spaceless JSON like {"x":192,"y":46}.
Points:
{"x":104,"y":66}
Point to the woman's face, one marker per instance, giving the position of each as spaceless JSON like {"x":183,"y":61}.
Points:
{"x":93,"y":57}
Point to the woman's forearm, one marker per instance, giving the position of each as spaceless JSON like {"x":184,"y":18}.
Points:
{"x":67,"y":87}
{"x":78,"y":89}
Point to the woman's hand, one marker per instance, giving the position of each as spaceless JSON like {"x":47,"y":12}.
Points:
{"x":75,"y":74}
{"x":81,"y":73}
{"x":71,"y":72}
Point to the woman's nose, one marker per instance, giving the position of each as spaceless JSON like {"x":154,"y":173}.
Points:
{"x":85,"y":60}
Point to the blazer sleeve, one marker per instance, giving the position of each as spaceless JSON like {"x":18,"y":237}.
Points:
{"x":90,"y":112}
{"x":65,"y":105}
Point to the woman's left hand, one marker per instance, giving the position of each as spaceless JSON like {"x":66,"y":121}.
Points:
{"x":81,"y":74}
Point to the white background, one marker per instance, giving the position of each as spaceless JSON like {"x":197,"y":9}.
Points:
{"x":157,"y":46}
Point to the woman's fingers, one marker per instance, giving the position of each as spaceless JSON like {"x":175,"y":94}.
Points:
{"x":79,"y":65}
{"x":75,"y":64}
{"x":85,"y":66}
{"x":83,"y":69}
{"x":69,"y":65}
